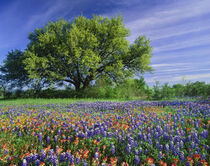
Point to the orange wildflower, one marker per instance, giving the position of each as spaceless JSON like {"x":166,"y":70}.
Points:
{"x":204,"y":163}
{"x":104,"y":147}
{"x":149,"y":160}
{"x":105,"y":159}
{"x":196,"y":156}
{"x":124,"y":164}
{"x":175,"y":160}
{"x":42,"y":164}
{"x":190,"y":160}
{"x":113,"y":161}
{"x":161,"y":162}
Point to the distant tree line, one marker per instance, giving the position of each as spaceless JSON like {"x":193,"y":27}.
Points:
{"x":127,"y":89}
{"x":191,"y":89}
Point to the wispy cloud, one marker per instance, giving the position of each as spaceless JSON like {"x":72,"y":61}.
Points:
{"x":172,"y":56}
{"x":53,"y":10}
{"x":192,"y":77}
{"x":177,"y":72}
{"x":171,"y":13}
{"x":185,"y":43}
{"x":180,"y":29}
{"x":168,"y":65}
{"x":180,"y":78}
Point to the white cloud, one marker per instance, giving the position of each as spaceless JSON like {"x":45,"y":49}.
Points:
{"x":202,"y":53}
{"x":171,"y":20}
{"x":168,"y":65}
{"x":182,"y":29}
{"x":192,"y":76}
{"x":185,"y":43}
{"x":172,"y":78}
{"x":164,"y":15}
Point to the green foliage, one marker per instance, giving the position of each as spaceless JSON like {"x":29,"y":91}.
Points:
{"x":167,"y":91}
{"x":157,"y":91}
{"x":80,"y":51}
{"x":12,"y":71}
{"x":196,"y":89}
{"x":138,"y":58}
{"x":178,"y":90}
{"x":127,"y":89}
{"x":14,"y":77}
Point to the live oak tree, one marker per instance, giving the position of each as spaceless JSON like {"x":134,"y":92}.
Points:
{"x":82,"y":50}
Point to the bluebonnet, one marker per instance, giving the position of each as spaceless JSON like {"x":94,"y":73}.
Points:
{"x":171,"y":145}
{"x":188,"y":163}
{"x":203,"y":156}
{"x":96,"y":156}
{"x":140,"y":150}
{"x":98,"y":139}
{"x":77,"y":161}
{"x":24,"y":163}
{"x":6,"y":151}
{"x":167,"y":147}
{"x":181,"y":144}
{"x":182,"y":157}
{"x":85,"y":164}
{"x":37,"y":162}
{"x":146,"y":151}
{"x":161,"y":147}
{"x":56,"y":138}
{"x":192,"y":145}
{"x":136,"y":151}
{"x":113,"y":149}
{"x":43,"y":156}
{"x":51,"y":152}
{"x":128,"y":148}
{"x":48,"y":139}
{"x":35,"y":156}
{"x":62,"y":157}
{"x":140,"y":135}
{"x":160,"y":155}
{"x":137,"y":160}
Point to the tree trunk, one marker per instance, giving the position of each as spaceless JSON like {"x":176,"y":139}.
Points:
{"x":77,"y":86}
{"x":87,"y":81}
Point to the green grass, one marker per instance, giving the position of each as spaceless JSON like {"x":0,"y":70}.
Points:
{"x":40,"y":101}
{"x":178,"y":99}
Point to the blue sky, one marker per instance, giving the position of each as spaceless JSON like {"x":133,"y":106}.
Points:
{"x":179,"y":30}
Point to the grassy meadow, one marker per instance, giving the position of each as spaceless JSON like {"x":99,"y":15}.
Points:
{"x":43,"y":101}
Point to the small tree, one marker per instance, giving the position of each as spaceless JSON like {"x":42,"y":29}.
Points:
{"x":13,"y":70}
{"x":157,"y":91}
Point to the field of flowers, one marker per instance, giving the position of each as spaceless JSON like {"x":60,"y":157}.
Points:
{"x":106,"y":133}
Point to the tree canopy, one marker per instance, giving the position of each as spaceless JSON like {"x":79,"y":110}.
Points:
{"x":13,"y":71}
{"x":82,"y":50}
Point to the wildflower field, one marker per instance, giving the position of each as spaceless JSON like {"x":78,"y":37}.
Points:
{"x":106,"y":133}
